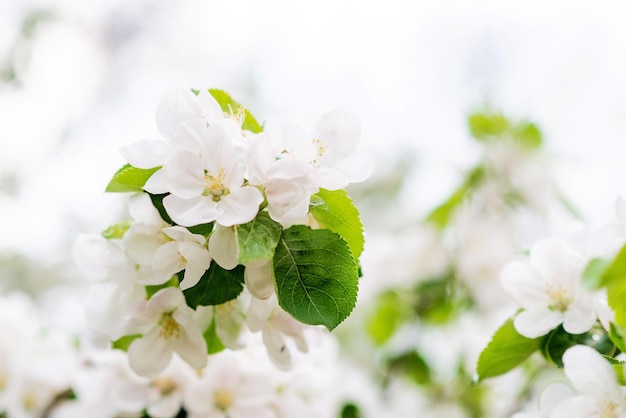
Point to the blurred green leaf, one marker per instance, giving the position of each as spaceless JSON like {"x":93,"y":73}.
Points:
{"x":213,"y":342}
{"x":484,"y":125}
{"x":528,"y":135}
{"x":616,"y":334}
{"x":390,"y":311}
{"x":592,"y":276}
{"x":350,"y":410}
{"x":413,"y":366}
{"x":124,"y":342}
{"x":116,"y":231}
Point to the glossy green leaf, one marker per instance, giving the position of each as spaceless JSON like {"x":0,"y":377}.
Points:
{"x":506,"y":350}
{"x":130,"y":179}
{"x":616,"y":334}
{"x":216,"y":286}
{"x":257,"y":239}
{"x":557,"y":342}
{"x":337,"y":212}
{"x":230,"y":106}
{"x":616,"y":271}
{"x":413,"y":366}
{"x":316,"y":276}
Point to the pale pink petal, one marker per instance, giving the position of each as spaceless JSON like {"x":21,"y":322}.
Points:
{"x":142,"y":210}
{"x":176,"y":106}
{"x":260,"y":158}
{"x":298,"y":143}
{"x":147,"y":153}
{"x":555,"y":262}
{"x":223,"y":247}
{"x":166,"y":300}
{"x":211,"y":109}
{"x":288,"y":200}
{"x":590,"y":373}
{"x":108,"y":307}
{"x":288,"y":168}
{"x":190,"y":212}
{"x":184,"y":174}
{"x":277,"y":348}
{"x":537,"y":322}
{"x":240,"y":206}
{"x":149,"y":355}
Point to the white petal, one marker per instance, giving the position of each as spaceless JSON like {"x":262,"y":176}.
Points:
{"x":168,"y":260}
{"x":223,"y":247}
{"x":590,"y":373}
{"x":259,"y":279}
{"x":191,"y":345}
{"x":147,"y":153}
{"x":341,"y":131}
{"x":142,"y":210}
{"x":108,"y":307}
{"x":537,"y":322}
{"x":555,"y":262}
{"x":184,"y":174}
{"x":198,"y":262}
{"x":240,"y":206}
{"x":576,"y":407}
{"x":149,"y":355}
{"x":277,"y":348}
{"x":176,"y":106}
{"x":288,"y":200}
{"x":579,"y":317}
{"x":524,"y":285}
{"x":190,"y":212}
{"x":156,"y":184}
{"x":211,"y":109}
{"x":142,"y":241}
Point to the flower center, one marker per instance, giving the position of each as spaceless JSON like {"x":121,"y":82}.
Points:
{"x":559,"y":297}
{"x":608,"y":410}
{"x":223,"y":399}
{"x":29,"y":401}
{"x":169,"y":327}
{"x":238,"y":115}
{"x":214,"y":185}
{"x":321,"y":147}
{"x":165,"y":385}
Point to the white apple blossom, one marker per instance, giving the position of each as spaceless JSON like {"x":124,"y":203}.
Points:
{"x":266,"y":316}
{"x":187,"y":251}
{"x":288,"y":182}
{"x":167,"y":326}
{"x":223,"y":247}
{"x":208,"y":185}
{"x":259,"y":278}
{"x":594,"y":378}
{"x":330,"y":148}
{"x":229,"y":389}
{"x":549,"y":289}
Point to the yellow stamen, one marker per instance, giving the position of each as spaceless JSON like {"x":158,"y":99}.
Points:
{"x":169,"y":327}
{"x":223,"y":399}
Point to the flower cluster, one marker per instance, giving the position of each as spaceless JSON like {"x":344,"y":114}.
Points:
{"x":231,"y":230}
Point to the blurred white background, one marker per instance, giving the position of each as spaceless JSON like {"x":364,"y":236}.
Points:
{"x":80,"y":79}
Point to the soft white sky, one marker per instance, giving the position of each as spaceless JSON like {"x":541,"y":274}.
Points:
{"x":411,"y":70}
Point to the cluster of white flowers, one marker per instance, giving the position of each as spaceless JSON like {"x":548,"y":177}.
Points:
{"x":48,"y":372}
{"x":209,"y":175}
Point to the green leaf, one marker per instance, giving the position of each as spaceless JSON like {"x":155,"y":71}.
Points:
{"x":231,"y":107}
{"x":216,"y":286}
{"x":124,"y":342}
{"x":389,"y":313}
{"x":484,"y":125}
{"x":213,"y":342}
{"x":594,"y":271}
{"x":350,"y":410}
{"x":616,"y":334}
{"x":618,"y":368}
{"x":116,"y":231}
{"x":616,"y":294}
{"x":157,"y":202}
{"x":528,"y":135}
{"x":172,"y":282}
{"x":338,"y":213}
{"x":413,"y":366}
{"x":257,"y":239}
{"x":130,"y":179}
{"x":616,"y":271}
{"x":441,"y":215}
{"x":506,"y":350}
{"x":316,"y":276}
{"x":558,"y":341}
